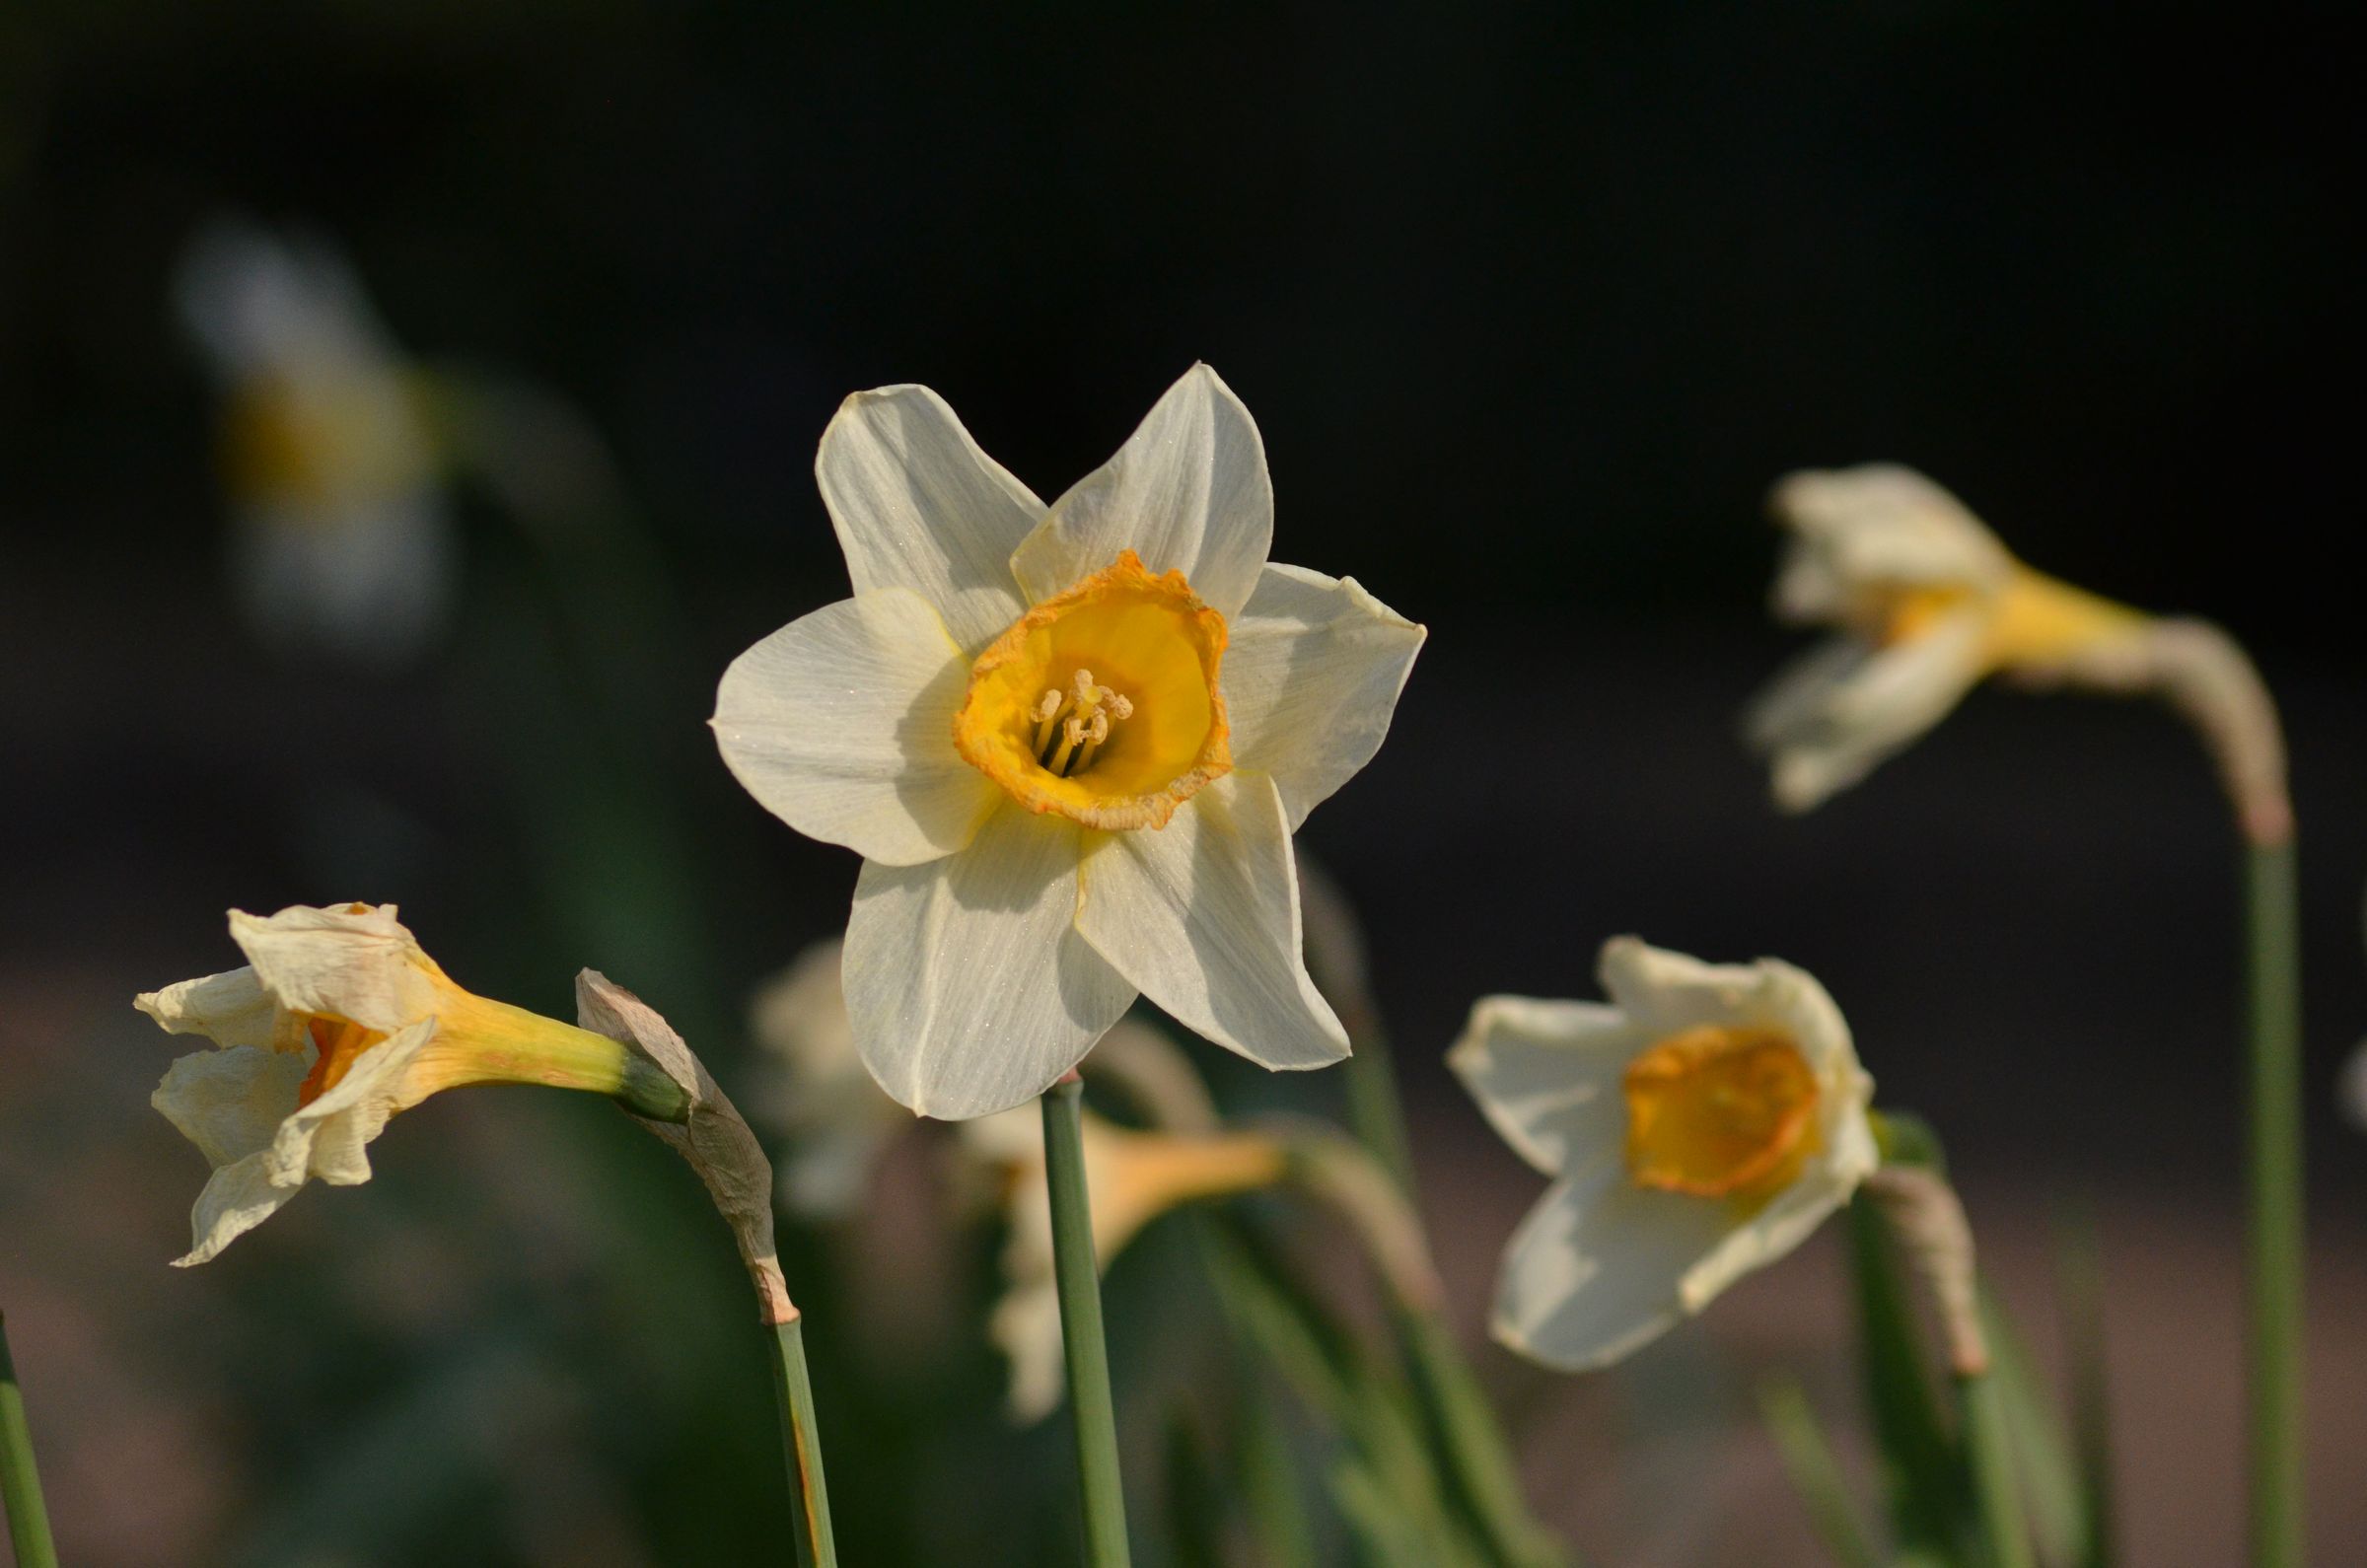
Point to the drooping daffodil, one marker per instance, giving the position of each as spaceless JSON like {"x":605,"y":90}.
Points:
{"x":337,"y":1022}
{"x":1134,"y":1177}
{"x":1928,"y":603}
{"x":342,"y":534}
{"x":1072,"y":744}
{"x":1697,"y":1126}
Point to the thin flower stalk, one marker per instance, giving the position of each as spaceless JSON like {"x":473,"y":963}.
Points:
{"x":2276,"y":1200}
{"x":718,"y":1145}
{"x":1100,"y":1484}
{"x":19,"y":1480}
{"x":793,"y":1392}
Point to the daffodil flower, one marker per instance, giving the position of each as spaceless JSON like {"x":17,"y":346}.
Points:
{"x":1928,"y":603}
{"x":342,"y":531}
{"x":1072,"y":744}
{"x":337,"y":1022}
{"x":1698,"y":1126}
{"x":1134,"y":1177}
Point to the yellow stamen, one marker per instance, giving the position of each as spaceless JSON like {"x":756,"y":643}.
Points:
{"x":1101,"y":703}
{"x":1720,"y":1111}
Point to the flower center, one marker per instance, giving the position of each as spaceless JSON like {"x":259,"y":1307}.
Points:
{"x":338,"y":1042}
{"x":1910,"y":612}
{"x":1720,"y":1111}
{"x":1101,"y":702}
{"x":1071,"y":726}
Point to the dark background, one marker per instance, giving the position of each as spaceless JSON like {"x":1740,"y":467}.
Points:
{"x":1531,"y":305}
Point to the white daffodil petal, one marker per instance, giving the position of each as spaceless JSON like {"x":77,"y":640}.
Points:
{"x":324,"y":1140}
{"x":1311,"y":676}
{"x":1666,"y":993}
{"x":1203,"y":916}
{"x":1838,"y":712}
{"x":352,"y":961}
{"x":1599,"y":1267}
{"x":1188,"y":492}
{"x":236,"y":1198}
{"x":1548,"y":1074}
{"x":918,"y":505}
{"x":841,"y":724}
{"x":969,"y":986}
{"x":230,"y":1103}
{"x":230,"y":1008}
{"x":1787,"y":1220}
{"x":1876,"y":524}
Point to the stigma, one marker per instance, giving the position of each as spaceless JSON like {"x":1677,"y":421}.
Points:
{"x":1072,"y":725}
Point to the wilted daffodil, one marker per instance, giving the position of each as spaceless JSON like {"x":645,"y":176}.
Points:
{"x":1697,"y":1126}
{"x":1928,"y":603}
{"x":1072,"y":744}
{"x":342,"y":534}
{"x":1134,"y":1178}
{"x":338,"y":1021}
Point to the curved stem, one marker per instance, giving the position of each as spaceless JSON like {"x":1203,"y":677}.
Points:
{"x":1079,"y":1282}
{"x":810,"y":1498}
{"x":19,"y":1482}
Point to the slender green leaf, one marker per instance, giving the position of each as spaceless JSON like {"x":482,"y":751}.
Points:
{"x":2079,"y":1275}
{"x":2051,"y":1486}
{"x":1388,"y":1464}
{"x":1808,"y":1459}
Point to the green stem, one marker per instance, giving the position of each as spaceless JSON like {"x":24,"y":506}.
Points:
{"x":2274,"y":1167}
{"x":1079,"y":1280}
{"x":19,"y":1482}
{"x":801,"y":1445}
{"x":1989,"y":1456}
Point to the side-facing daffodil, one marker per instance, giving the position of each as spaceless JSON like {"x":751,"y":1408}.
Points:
{"x":337,"y":1022}
{"x":342,"y":534}
{"x":1135,"y":1176}
{"x":1696,"y":1127}
{"x":1072,"y":744}
{"x":1928,"y":603}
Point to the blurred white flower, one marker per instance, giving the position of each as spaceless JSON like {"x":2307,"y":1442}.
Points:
{"x":340,"y":531}
{"x":1928,"y":603}
{"x":815,"y":1091}
{"x":1132,"y":1179}
{"x":1070,"y":743}
{"x":1697,"y":1126}
{"x":338,"y":1021}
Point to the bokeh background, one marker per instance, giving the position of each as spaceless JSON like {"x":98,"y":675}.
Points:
{"x":1531,"y":303}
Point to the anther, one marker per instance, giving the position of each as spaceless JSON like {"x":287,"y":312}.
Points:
{"x":1096,"y":732}
{"x":1048,"y":708}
